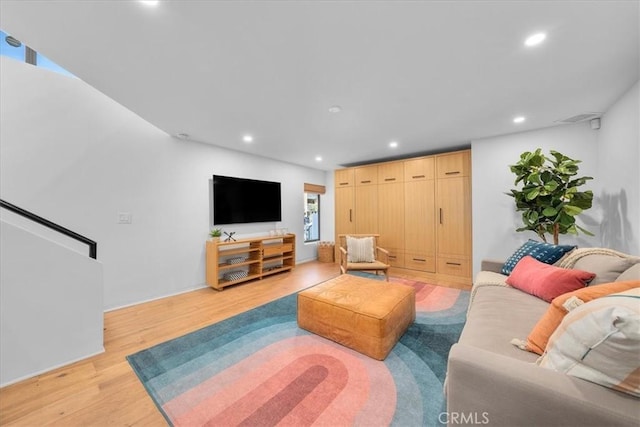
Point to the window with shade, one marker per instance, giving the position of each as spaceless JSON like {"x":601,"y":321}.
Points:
{"x":312,"y":212}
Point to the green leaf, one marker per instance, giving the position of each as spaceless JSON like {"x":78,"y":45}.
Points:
{"x":578,"y":181}
{"x":532,"y":193}
{"x":546,"y":176}
{"x":549,"y":211}
{"x":571,"y":191}
{"x":536,"y":159}
{"x":564,"y":218}
{"x":587,"y":232}
{"x":534,"y":177}
{"x":571,"y":210}
{"x":583,"y":200}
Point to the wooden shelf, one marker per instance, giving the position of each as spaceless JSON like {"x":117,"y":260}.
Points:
{"x":225,"y":266}
{"x":259,"y":252}
{"x":222,"y":283}
{"x":236,"y":251}
{"x":276,"y":258}
{"x":275,"y":270}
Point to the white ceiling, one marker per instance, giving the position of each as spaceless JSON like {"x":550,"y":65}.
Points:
{"x":431,"y":75}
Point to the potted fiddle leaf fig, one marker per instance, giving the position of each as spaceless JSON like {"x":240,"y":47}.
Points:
{"x":550,"y":198}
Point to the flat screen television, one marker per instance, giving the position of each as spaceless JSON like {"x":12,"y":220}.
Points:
{"x":240,"y":200}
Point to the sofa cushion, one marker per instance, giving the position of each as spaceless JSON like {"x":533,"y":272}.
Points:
{"x":546,"y":281}
{"x":599,"y":342}
{"x":606,"y":268}
{"x":489,"y":278}
{"x":539,"y":335}
{"x":499,"y":313}
{"x":632,"y":273}
{"x":544,"y":252}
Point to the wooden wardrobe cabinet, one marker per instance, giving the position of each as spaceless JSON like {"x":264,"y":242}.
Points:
{"x":366,"y":175}
{"x":453,"y":201}
{"x":366,"y":209}
{"x":419,"y":239}
{"x":344,"y":204}
{"x":345,"y":210}
{"x":421,"y":208}
{"x":344,"y":178}
{"x":419,"y":169}
{"x":391,"y":220}
{"x":452,"y":165}
{"x":389,"y":173}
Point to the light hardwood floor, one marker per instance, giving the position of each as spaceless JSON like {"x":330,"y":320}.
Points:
{"x":104,"y":390}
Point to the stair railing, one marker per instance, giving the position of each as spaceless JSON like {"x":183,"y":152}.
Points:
{"x":93,"y":246}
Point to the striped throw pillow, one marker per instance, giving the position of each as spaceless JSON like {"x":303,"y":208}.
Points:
{"x":600,"y":342}
{"x":360,"y":249}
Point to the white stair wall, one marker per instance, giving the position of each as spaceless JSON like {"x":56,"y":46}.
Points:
{"x":51,"y":305}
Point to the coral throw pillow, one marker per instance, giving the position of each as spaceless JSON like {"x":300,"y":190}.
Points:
{"x":548,"y":323}
{"x":546,"y":281}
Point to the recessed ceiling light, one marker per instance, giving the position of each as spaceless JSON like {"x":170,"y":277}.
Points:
{"x":335,"y":109}
{"x":149,"y":2}
{"x":393,"y":144}
{"x":535,"y":39}
{"x":518,"y":119}
{"x":318,"y":158}
{"x":247,"y":138}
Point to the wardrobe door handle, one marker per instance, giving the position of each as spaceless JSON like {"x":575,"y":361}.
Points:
{"x":389,"y":179}
{"x":440,"y":215}
{"x":454,"y":263}
{"x":365,"y":182}
{"x":420,"y":259}
{"x":343,"y":183}
{"x":350,"y":216}
{"x":452,"y":173}
{"x":417,"y":176}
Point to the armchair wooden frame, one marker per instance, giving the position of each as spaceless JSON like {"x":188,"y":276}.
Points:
{"x":380,"y":264}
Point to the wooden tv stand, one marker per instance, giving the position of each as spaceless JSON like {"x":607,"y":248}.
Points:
{"x":230,"y":263}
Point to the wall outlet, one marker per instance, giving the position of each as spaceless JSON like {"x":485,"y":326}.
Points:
{"x":124,"y":217}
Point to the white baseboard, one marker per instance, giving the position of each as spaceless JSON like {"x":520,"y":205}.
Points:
{"x":195,"y":288}
{"x":44,"y":371}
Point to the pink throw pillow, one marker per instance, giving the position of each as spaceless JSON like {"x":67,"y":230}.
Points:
{"x":546,"y":281}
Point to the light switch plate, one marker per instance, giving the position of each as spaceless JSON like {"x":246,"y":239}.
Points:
{"x":124,"y":217}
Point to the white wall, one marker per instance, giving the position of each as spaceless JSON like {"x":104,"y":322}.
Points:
{"x":609,"y":155}
{"x":619,"y":173}
{"x":329,"y":210}
{"x":76,"y":157}
{"x":50,"y":305}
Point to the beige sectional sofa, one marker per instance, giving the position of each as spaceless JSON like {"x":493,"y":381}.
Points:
{"x":490,"y":381}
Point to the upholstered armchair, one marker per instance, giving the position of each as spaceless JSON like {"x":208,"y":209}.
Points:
{"x":361,"y":252}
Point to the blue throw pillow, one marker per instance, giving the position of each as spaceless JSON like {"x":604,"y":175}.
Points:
{"x":543,"y":252}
